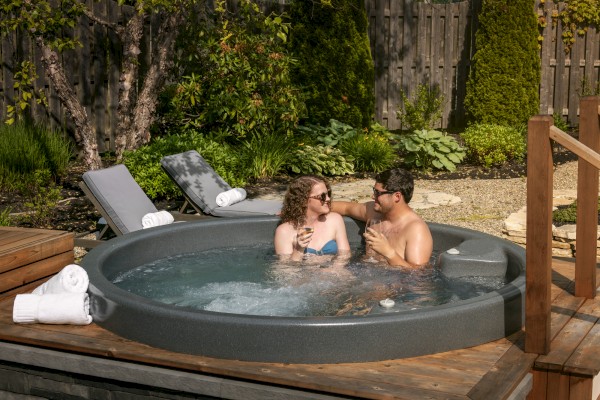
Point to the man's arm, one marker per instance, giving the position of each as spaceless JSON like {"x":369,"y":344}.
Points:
{"x":357,"y":211}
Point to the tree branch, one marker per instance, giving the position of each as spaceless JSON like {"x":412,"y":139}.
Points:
{"x":119,"y":30}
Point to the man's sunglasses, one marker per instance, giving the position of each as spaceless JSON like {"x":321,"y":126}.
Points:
{"x":377,"y":193}
{"x":322,"y":197}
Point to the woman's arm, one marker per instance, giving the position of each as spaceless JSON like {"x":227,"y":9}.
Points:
{"x":288,"y":242}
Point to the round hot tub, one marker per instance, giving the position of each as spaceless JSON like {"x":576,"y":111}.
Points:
{"x":356,"y":338}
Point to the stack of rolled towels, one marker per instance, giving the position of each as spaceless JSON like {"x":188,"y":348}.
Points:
{"x":158,"y":218}
{"x":63,"y":299}
{"x":230,"y":197}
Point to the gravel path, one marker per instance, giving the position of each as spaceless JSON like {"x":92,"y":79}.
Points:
{"x":486,"y":203}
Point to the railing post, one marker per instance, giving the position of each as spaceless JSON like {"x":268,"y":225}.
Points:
{"x":587,"y":201}
{"x":539,"y":235}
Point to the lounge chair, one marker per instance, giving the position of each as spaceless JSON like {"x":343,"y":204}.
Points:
{"x":200,"y":185}
{"x":118,"y":198}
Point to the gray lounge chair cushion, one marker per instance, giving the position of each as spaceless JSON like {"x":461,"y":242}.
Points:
{"x":201,"y":185}
{"x":120,"y":196}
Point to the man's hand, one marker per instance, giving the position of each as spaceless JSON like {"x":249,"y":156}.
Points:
{"x":378,"y":242}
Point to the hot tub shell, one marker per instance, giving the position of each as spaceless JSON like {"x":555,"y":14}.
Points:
{"x":378,"y":336}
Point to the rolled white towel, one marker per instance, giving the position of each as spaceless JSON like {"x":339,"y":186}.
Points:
{"x":157,"y":219}
{"x":230,"y":197}
{"x":71,"y":279}
{"x":54,"y":308}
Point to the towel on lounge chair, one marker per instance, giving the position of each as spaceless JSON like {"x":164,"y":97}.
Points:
{"x":60,"y":308}
{"x":157,"y":219}
{"x":71,"y":279}
{"x":230,"y":197}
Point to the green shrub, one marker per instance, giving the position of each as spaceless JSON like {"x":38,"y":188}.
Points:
{"x":489,"y":144}
{"x":144,"y":163}
{"x":335,"y":68}
{"x":26,"y":148}
{"x":329,"y":135}
{"x":559,"y":122}
{"x":424,"y":109}
{"x":235,"y":76}
{"x":5,"y":219}
{"x":371,"y":151}
{"x":505,"y":74}
{"x":320,"y":160}
{"x":427,"y":149}
{"x":568,"y":214}
{"x":42,"y":196}
{"x":265,"y":156}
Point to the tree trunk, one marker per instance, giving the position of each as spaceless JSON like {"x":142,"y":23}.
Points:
{"x":162,"y":60}
{"x":128,"y":80}
{"x":85,"y":137}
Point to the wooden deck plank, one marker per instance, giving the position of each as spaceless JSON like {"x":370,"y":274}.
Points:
{"x":585,"y":359}
{"x":34,"y":271}
{"x":32,"y":247}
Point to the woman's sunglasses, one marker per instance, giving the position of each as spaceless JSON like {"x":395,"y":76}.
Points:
{"x":321,"y":197}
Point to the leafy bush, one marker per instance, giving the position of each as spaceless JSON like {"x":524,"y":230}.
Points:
{"x":568,"y":214}
{"x":489,"y":144}
{"x":504,"y":78}
{"x":559,"y":122}
{"x":372,"y":152}
{"x":235,"y":76}
{"x":26,"y":148}
{"x":42,"y":196}
{"x":423,"y":111}
{"x":329,"y":135}
{"x":426,"y":149}
{"x":144,"y":163}
{"x":5,"y":219}
{"x":335,"y":68}
{"x":320,"y":160}
{"x":265,"y":156}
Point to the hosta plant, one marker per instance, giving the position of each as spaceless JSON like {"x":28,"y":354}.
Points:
{"x":321,"y":160}
{"x":427,"y":149}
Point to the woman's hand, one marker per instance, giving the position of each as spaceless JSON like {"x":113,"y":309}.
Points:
{"x":302,"y":239}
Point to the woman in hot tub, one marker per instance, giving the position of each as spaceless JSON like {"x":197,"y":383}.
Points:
{"x":307,"y":224}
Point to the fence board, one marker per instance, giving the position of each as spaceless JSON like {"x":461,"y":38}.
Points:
{"x":411,"y":42}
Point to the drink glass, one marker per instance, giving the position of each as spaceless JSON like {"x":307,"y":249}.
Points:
{"x":375,"y":224}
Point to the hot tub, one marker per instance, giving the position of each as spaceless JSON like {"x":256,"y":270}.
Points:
{"x":372,"y":337}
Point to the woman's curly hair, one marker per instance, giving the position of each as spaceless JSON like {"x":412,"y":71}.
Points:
{"x":295,"y":201}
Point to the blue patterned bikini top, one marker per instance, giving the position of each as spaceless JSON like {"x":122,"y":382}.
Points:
{"x":329,"y":248}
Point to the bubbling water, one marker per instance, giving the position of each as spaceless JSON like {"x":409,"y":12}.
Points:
{"x":252,"y":280}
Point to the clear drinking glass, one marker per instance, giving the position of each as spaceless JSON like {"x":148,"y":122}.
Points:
{"x":375,"y":224}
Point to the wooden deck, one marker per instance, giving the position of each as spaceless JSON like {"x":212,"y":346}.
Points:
{"x":495,"y":370}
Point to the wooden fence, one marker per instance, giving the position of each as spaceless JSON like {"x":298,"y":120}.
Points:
{"x":411,"y":43}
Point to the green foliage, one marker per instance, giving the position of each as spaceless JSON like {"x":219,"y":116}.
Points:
{"x":42,"y":198}
{"x":423,"y":111}
{"x":5,"y":219}
{"x":568,"y":214}
{"x":427,"y":149}
{"x":371,"y":151}
{"x":265,"y":156}
{"x":559,"y":122}
{"x":335,"y":66}
{"x":236,"y":76}
{"x":321,"y":160}
{"x":504,"y":78}
{"x":576,"y":17}
{"x":26,"y":148}
{"x":144,"y":163}
{"x":24,"y":92}
{"x":329,"y":135}
{"x":489,"y":144}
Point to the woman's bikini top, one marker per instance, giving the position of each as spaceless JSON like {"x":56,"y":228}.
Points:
{"x":328,"y":248}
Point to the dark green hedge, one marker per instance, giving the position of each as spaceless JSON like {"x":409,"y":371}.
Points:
{"x":505,"y":73}
{"x":335,"y":67}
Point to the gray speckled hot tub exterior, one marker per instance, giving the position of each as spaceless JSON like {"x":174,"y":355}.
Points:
{"x":374,"y":337}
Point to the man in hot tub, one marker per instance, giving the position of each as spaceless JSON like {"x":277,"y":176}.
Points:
{"x":401,"y":237}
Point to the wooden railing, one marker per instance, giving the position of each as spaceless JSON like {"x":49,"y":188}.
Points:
{"x":539,"y":216}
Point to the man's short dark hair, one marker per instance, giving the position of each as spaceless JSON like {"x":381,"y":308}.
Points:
{"x":397,"y":180}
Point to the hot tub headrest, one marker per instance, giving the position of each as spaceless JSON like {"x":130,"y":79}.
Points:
{"x":474,"y":257}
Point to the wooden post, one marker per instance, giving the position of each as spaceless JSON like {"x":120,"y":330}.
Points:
{"x":539,"y":235}
{"x":587,"y":201}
